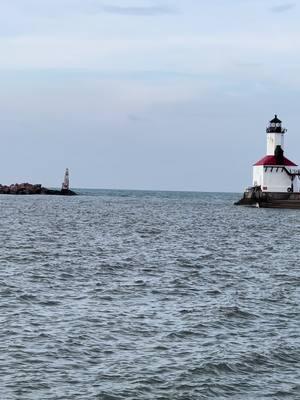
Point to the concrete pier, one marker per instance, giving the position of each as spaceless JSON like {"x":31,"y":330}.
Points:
{"x":257,"y":198}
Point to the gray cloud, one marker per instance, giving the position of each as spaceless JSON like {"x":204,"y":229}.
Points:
{"x":283,"y":7}
{"x":140,"y":10}
{"x":137,"y":118}
{"x":54,"y":8}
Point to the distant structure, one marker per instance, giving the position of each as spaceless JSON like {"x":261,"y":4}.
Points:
{"x":66,"y":182}
{"x":29,"y":188}
{"x":276,"y":179}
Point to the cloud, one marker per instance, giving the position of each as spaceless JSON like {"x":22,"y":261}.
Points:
{"x":135,"y":118}
{"x":283,"y":7}
{"x":139,"y":10}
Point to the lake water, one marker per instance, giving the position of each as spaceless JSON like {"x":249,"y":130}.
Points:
{"x":148,"y":295}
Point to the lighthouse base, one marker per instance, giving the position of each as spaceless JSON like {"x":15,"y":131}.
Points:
{"x":257,"y":198}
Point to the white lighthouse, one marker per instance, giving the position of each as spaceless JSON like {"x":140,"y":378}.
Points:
{"x":274,"y":172}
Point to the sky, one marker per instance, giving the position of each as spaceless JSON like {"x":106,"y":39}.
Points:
{"x":145,"y":94}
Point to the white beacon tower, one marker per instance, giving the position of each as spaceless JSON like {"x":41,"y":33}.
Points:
{"x":66,"y":182}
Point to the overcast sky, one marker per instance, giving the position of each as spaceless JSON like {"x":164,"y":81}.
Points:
{"x":145,"y":94}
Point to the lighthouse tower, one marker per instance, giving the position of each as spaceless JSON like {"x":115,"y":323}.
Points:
{"x":274,"y":172}
{"x":275,"y":136}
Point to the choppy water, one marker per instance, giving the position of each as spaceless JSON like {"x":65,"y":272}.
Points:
{"x":140,"y":295}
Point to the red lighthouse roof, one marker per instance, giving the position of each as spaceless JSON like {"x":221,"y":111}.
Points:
{"x":271,"y":160}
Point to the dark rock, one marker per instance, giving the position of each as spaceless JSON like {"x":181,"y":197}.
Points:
{"x":30,"y":189}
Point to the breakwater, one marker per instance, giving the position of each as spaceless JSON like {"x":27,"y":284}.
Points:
{"x":30,"y":189}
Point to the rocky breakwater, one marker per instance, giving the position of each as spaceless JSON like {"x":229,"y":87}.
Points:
{"x":28,"y":188}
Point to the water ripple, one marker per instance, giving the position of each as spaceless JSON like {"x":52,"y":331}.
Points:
{"x":142,"y":295}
